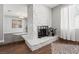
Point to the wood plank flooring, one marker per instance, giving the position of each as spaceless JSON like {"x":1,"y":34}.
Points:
{"x":22,"y":48}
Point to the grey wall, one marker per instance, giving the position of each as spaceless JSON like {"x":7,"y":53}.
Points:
{"x":1,"y":22}
{"x":56,"y":18}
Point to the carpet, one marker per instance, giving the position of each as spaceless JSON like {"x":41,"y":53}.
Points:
{"x":64,"y":48}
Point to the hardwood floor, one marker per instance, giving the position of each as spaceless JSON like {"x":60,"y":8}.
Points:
{"x":22,"y":48}
{"x":67,"y":41}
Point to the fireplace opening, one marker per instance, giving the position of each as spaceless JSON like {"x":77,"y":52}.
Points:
{"x":45,"y":31}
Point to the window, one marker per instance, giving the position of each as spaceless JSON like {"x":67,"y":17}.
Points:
{"x":76,"y":16}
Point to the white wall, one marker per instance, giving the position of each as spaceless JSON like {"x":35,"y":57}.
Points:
{"x":16,"y":10}
{"x":7,"y":25}
{"x":19,"y":10}
{"x":1,"y":23}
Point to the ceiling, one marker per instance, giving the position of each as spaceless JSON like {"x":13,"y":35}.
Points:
{"x":51,"y":5}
